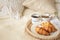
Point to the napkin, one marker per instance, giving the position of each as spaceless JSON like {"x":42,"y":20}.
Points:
{"x":56,"y":22}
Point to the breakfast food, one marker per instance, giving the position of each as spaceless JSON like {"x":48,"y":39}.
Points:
{"x":46,"y":28}
{"x":42,"y":31}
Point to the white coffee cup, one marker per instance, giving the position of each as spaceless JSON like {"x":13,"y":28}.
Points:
{"x":35,"y":18}
{"x":46,"y":17}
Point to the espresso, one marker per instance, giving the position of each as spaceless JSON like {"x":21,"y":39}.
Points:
{"x":35,"y":16}
{"x":45,"y":16}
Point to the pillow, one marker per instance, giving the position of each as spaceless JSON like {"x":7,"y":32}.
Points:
{"x":57,"y":0}
{"x":58,"y":10}
{"x":4,"y":11}
{"x":41,"y":5}
{"x":12,"y":8}
{"x":16,"y":7}
{"x":28,"y":12}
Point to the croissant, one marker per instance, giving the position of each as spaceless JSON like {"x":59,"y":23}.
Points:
{"x":53,"y":28}
{"x":37,"y":29}
{"x":48,"y":27}
{"x":42,"y":31}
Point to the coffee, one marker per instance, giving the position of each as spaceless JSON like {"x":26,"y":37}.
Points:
{"x":35,"y":16}
{"x":45,"y":16}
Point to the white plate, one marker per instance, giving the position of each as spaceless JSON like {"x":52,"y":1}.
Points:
{"x":51,"y":36}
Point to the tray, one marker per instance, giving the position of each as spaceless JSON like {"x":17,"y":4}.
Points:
{"x":41,"y":37}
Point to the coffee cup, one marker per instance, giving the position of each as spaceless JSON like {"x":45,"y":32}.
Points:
{"x":46,"y":17}
{"x":35,"y":18}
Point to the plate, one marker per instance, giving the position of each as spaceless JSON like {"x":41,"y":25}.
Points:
{"x":31,"y":30}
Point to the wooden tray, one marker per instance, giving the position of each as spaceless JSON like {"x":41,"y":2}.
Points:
{"x":28,"y":30}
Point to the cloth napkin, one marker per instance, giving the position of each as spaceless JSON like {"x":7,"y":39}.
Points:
{"x":56,"y":22}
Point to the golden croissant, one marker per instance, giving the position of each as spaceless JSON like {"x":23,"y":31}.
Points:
{"x":41,"y":31}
